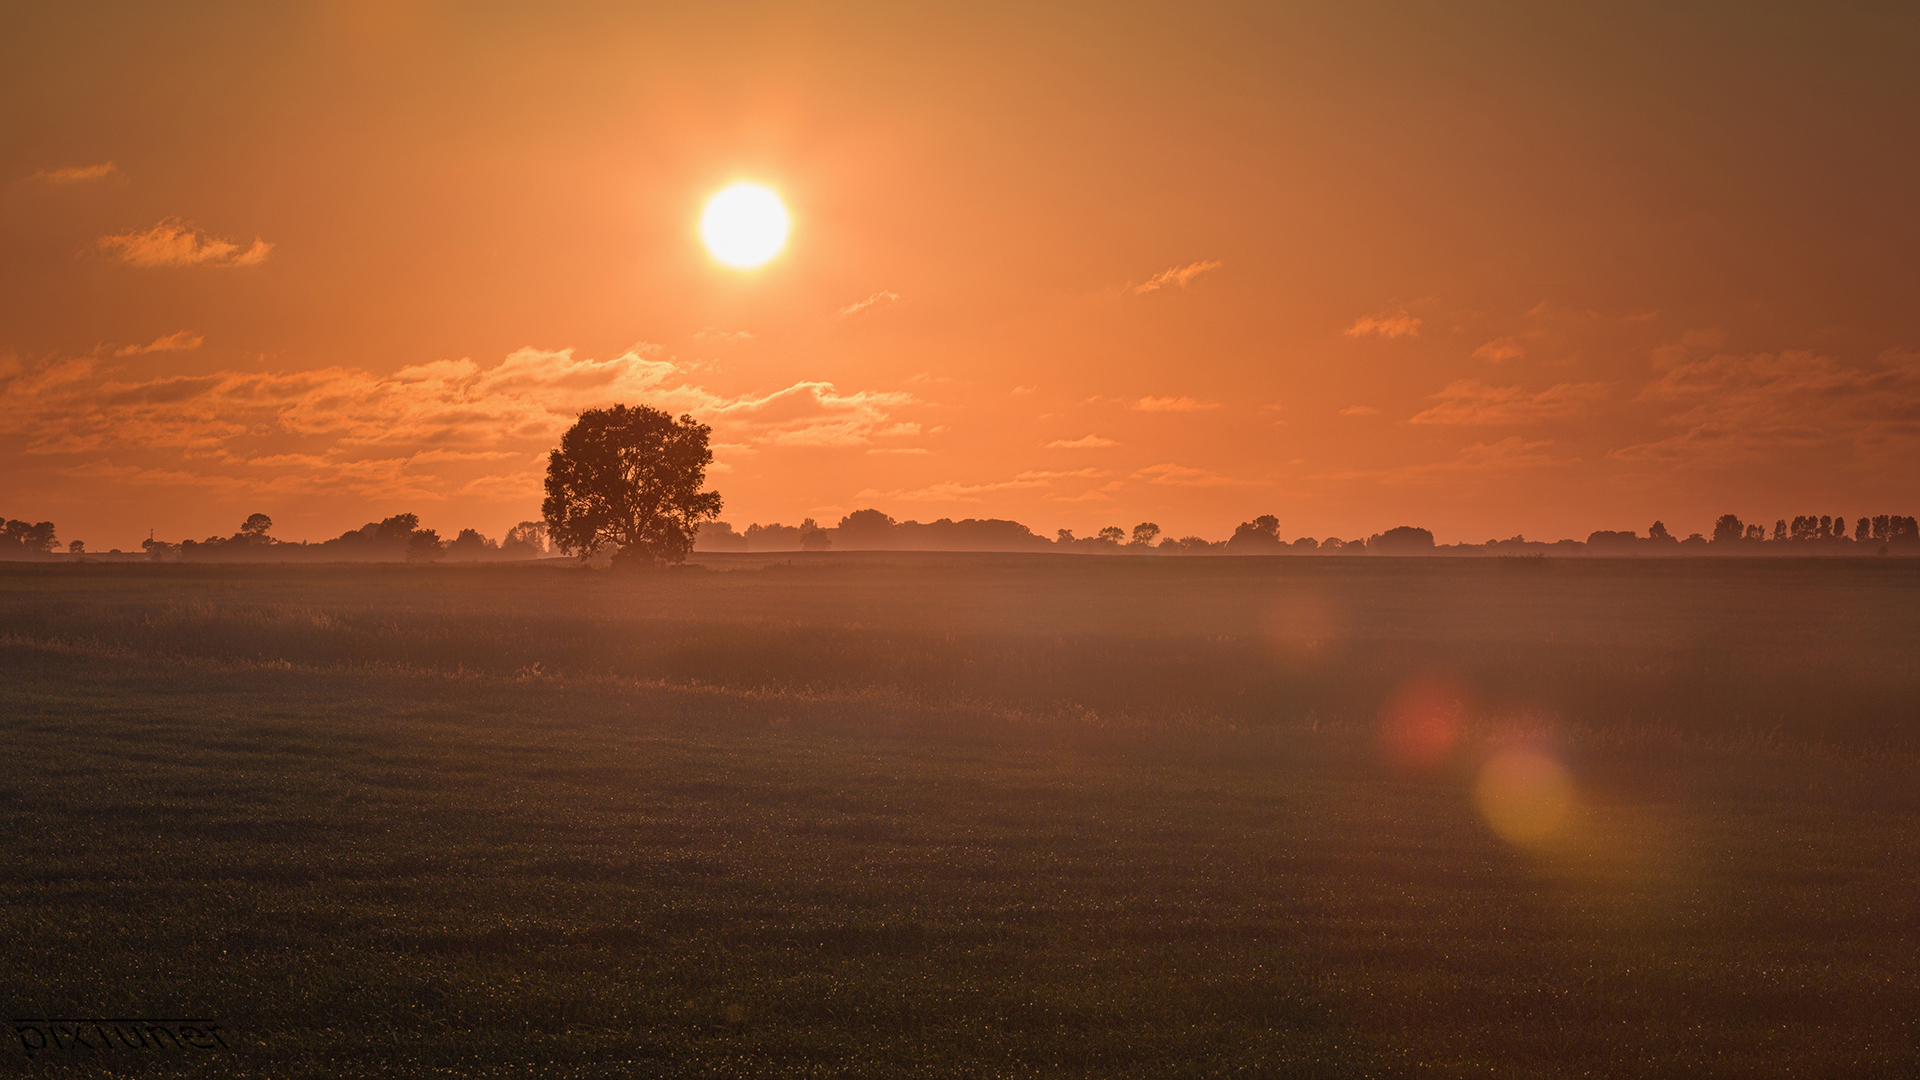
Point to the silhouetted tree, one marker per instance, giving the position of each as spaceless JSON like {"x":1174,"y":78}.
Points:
{"x":1756,"y":533}
{"x":1112,"y":534}
{"x":257,"y":525}
{"x":1144,"y":535}
{"x":18,"y":537}
{"x":1658,"y":533}
{"x":1402,"y":540}
{"x":1780,"y":530}
{"x":1063,"y":536}
{"x":813,"y":537}
{"x":424,"y":546}
{"x":470,"y":544}
{"x":630,"y":477}
{"x":1860,"y":530}
{"x":1728,"y":529}
{"x":76,"y":547}
{"x":527,"y":540}
{"x":1261,"y":536}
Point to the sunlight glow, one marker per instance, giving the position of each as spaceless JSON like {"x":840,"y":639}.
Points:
{"x":745,"y":225}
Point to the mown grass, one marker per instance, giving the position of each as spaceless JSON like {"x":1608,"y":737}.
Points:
{"x":950,"y":817}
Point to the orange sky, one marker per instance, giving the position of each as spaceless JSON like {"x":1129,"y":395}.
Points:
{"x":1487,"y":269}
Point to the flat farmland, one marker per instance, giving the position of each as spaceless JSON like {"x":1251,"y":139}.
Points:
{"x":886,"y":815}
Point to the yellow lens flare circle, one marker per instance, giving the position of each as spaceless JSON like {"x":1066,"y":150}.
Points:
{"x":1524,"y":796}
{"x":745,"y":225}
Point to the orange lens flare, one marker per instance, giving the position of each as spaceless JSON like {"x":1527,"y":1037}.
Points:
{"x":1524,"y":795}
{"x":1422,"y":724}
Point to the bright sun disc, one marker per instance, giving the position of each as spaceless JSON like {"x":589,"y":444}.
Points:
{"x":744,"y":225}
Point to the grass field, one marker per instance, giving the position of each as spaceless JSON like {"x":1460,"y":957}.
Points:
{"x":898,"y":815}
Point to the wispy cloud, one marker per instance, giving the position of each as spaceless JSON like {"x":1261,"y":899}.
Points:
{"x":1176,"y":275}
{"x":175,"y":243}
{"x":1392,"y":325}
{"x":1359,"y":410}
{"x":78,"y":174}
{"x":1470,"y":401}
{"x":949,"y":491}
{"x":1173,"y":404}
{"x":1182,"y":476}
{"x":1728,"y":408}
{"x":246,"y":424}
{"x":180,"y":342}
{"x":1507,"y":455}
{"x":1050,"y":474}
{"x":1085,"y":442}
{"x":858,"y":306}
{"x":1500,"y":350}
{"x":710,"y":335}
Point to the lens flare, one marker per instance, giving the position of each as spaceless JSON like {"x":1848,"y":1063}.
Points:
{"x":1421,"y":724}
{"x":1524,"y":795}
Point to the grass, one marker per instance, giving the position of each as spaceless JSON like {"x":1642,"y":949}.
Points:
{"x":985,"y":816}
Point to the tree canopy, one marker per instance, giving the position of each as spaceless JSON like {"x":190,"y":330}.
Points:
{"x":629,"y":477}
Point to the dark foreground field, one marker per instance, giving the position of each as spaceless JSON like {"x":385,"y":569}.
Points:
{"x":969,"y":816}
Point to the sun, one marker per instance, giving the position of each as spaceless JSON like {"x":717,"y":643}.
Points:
{"x":745,"y":225}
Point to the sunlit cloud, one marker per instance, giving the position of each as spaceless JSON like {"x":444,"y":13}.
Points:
{"x":177,"y":342}
{"x":1085,"y":442}
{"x":330,"y":426}
{"x":1182,"y":476}
{"x":948,"y":491}
{"x":1500,"y":350}
{"x":1728,"y":408}
{"x":1176,"y":275}
{"x":78,"y":174}
{"x":858,"y":306}
{"x":1470,"y":401}
{"x":1359,"y":410}
{"x":1173,"y":404}
{"x":711,"y":335}
{"x":1396,"y":324}
{"x":1046,"y":474}
{"x":175,"y":243}
{"x":1510,"y":454}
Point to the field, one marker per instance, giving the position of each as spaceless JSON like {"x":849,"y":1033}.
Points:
{"x":993,"y":815}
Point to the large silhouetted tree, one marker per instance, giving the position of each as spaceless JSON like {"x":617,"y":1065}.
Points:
{"x":629,"y":477}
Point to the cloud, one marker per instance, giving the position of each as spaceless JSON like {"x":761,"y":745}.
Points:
{"x":1758,"y":406}
{"x":1507,"y":455}
{"x":328,"y":425}
{"x":859,"y":306}
{"x":1177,"y":275}
{"x":179,"y":342}
{"x":1182,"y":476}
{"x":710,"y":334}
{"x":1397,"y":324}
{"x":174,"y":243}
{"x":1085,"y":442}
{"x":1024,"y":389}
{"x":949,"y":491}
{"x":1359,"y":410}
{"x":1470,"y":401}
{"x":1044,"y":474}
{"x":78,"y":174}
{"x":1173,"y":404}
{"x":1500,"y":350}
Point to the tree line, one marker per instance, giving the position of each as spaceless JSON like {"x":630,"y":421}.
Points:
{"x":629,"y":479}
